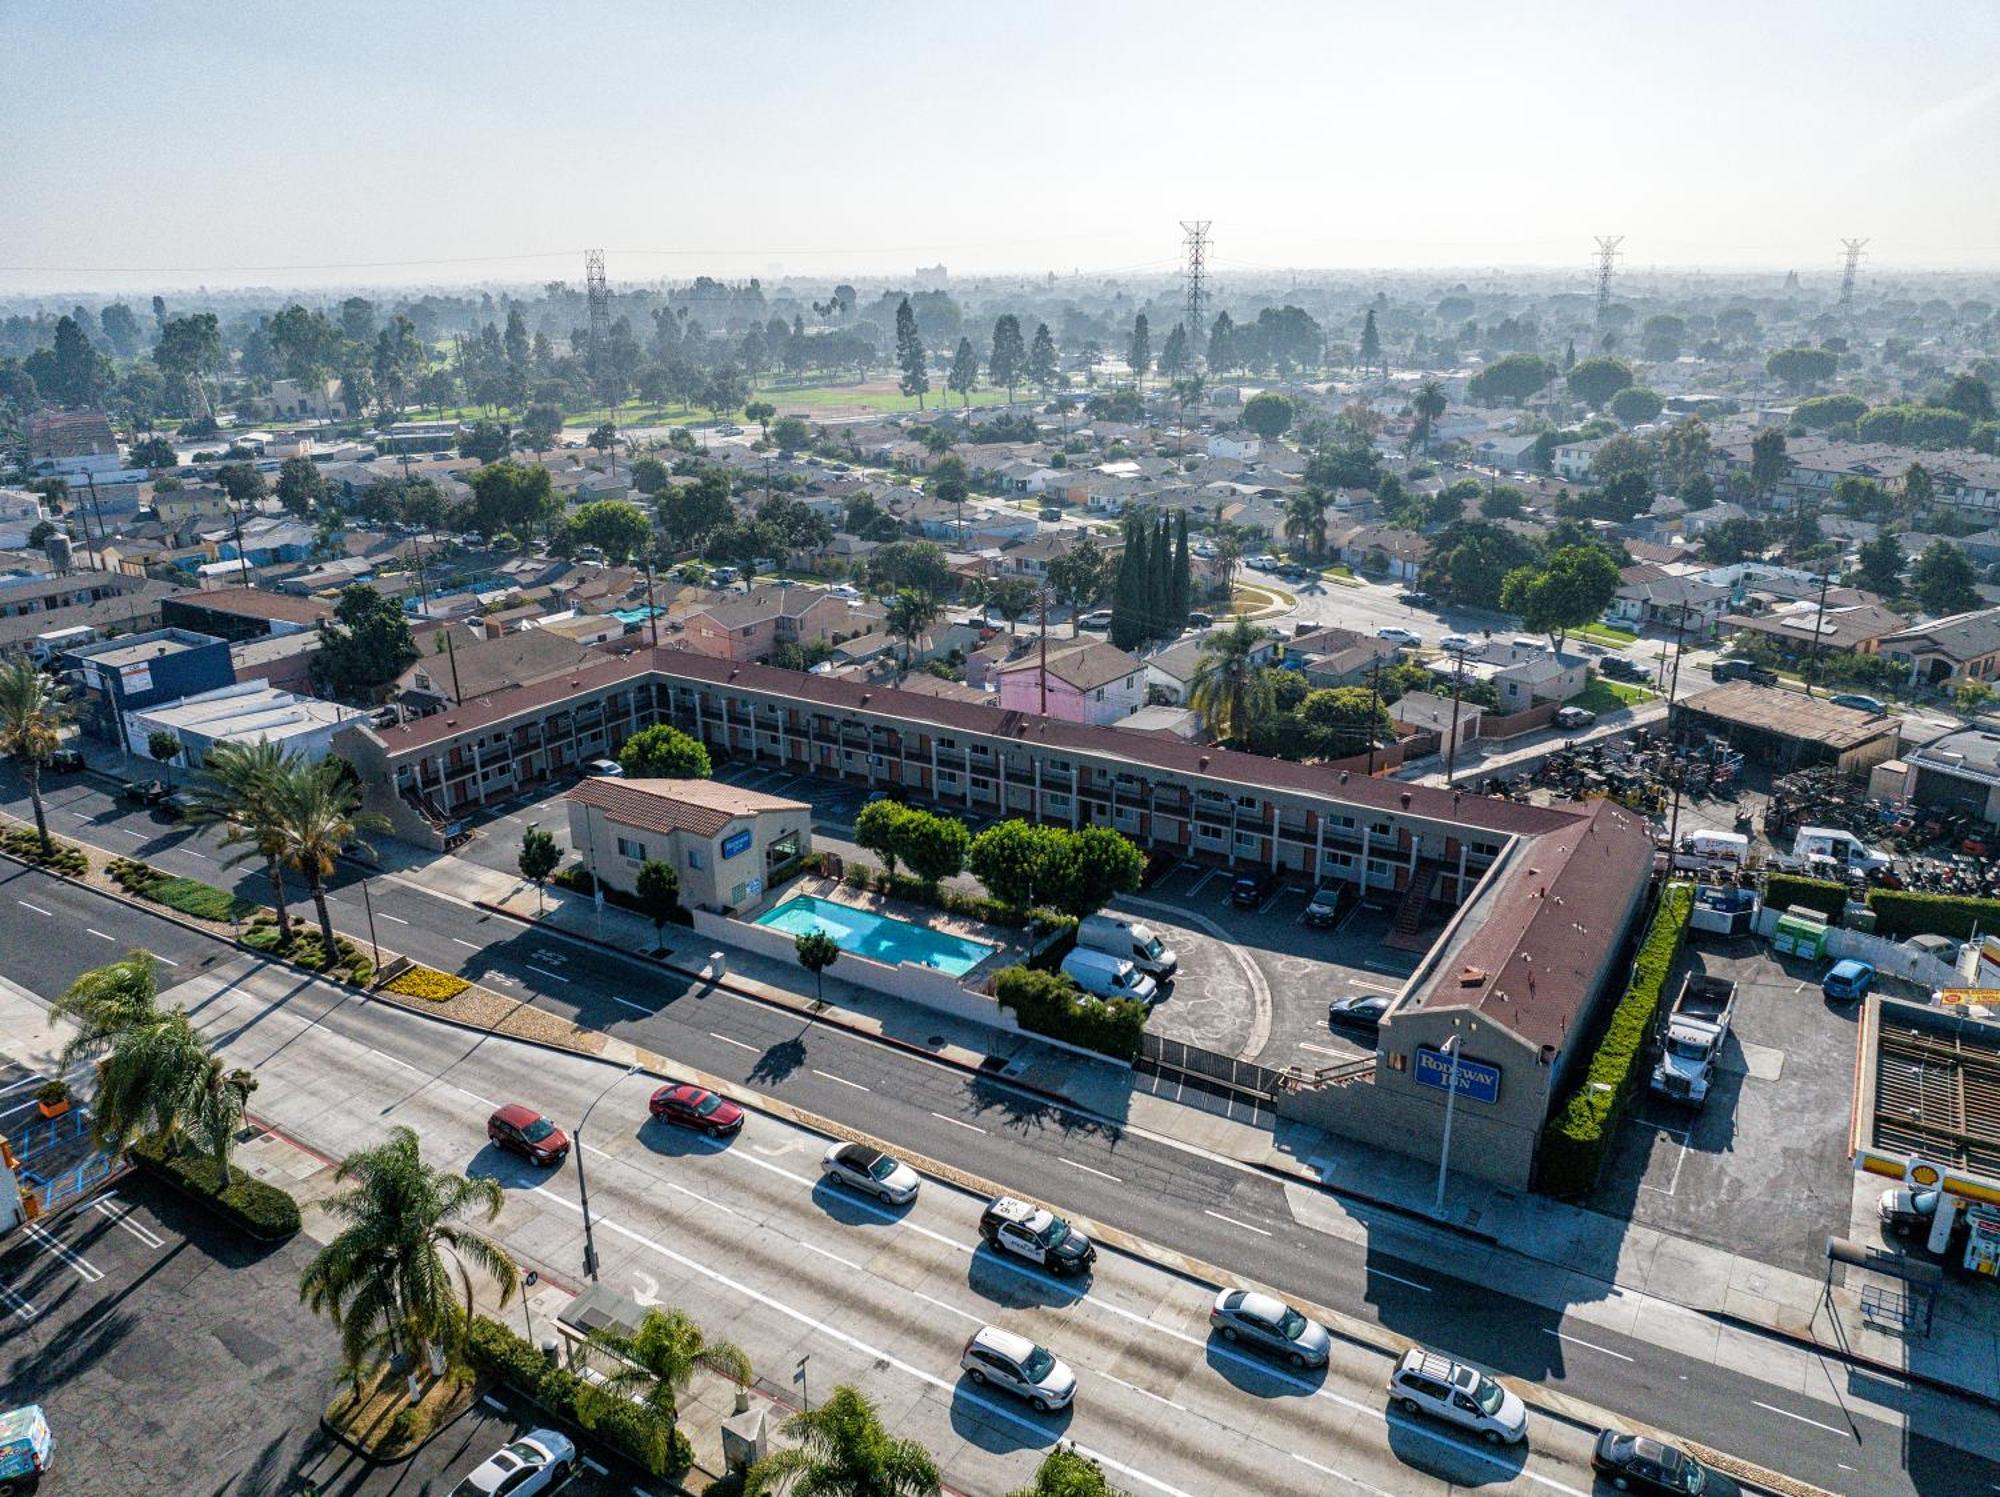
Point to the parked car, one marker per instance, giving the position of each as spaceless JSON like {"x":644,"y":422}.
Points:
{"x":1634,"y":1463}
{"x":1575,"y":717}
{"x":1873,"y":706}
{"x":1905,"y":1212}
{"x":1457,"y":644}
{"x":690,"y":1106}
{"x":1036,"y":1234}
{"x":846,"y":592}
{"x":65,"y":761}
{"x":1620,"y":669}
{"x":1847,"y":980}
{"x":1015,"y":1363}
{"x":537,"y":1463}
{"x":1426,"y":1382}
{"x":1397,"y":634}
{"x":178,"y":806}
{"x":1200,"y":620}
{"x":1360,"y":1015}
{"x":609,"y":767}
{"x":1251,"y":889}
{"x":1416,"y":599}
{"x":521,"y":1130}
{"x":871,"y":1172}
{"x":1743,"y":670}
{"x":145,"y":792}
{"x":1096,"y":619}
{"x":1324,"y":907}
{"x":1269,"y":1325}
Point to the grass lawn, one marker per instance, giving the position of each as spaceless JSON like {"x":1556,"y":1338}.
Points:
{"x":854,"y":400}
{"x":1604,"y":634}
{"x":1602,"y":696}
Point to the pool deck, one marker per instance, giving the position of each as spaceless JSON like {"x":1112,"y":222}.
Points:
{"x":1008,"y":945}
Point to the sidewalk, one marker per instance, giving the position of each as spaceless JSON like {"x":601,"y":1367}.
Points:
{"x":1630,"y":1278}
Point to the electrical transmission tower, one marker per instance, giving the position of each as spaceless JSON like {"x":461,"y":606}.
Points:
{"x":1853,"y":248}
{"x":1195,"y":248}
{"x":600,"y":305}
{"x":1607,"y":263}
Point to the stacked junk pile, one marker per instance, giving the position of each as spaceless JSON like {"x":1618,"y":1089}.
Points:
{"x":1639,"y":771}
{"x":1930,"y":848}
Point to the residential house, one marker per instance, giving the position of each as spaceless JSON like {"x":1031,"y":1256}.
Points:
{"x":472,"y":667}
{"x":1793,"y":627}
{"x":1087,"y":681}
{"x":1539,"y":677}
{"x":1439,"y":717}
{"x":1962,"y":646}
{"x":749,"y":626}
{"x":1170,"y":674}
{"x":1650,"y":595}
{"x":1334,"y":656}
{"x":1387,"y":550}
{"x":243,"y":613}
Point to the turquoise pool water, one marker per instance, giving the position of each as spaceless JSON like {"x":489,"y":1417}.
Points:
{"x":880,"y":938}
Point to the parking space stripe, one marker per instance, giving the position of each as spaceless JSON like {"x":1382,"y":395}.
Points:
{"x":111,"y":1213}
{"x":23,"y":1309}
{"x":89,"y":1272}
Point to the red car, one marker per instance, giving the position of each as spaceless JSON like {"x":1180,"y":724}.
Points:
{"x":697,"y":1107}
{"x":526,"y":1132}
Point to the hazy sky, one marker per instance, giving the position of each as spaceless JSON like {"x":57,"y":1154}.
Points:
{"x":223,"y":143}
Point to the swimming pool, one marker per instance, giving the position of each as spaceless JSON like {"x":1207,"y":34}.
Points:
{"x":881,"y":938}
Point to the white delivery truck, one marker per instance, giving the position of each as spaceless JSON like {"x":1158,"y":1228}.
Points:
{"x":1712,"y":852}
{"x":1844,"y":850}
{"x":1136,"y":941}
{"x":1104,"y":976}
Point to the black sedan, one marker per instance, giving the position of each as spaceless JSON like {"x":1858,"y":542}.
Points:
{"x":145,"y":792}
{"x":1360,"y":1016}
{"x":1416,"y":599}
{"x":1251,"y":889}
{"x":1632,"y":1463}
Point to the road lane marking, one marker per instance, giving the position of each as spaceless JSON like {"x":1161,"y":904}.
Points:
{"x":35,"y":907}
{"x":1039,"y":1431}
{"x":841,"y":1079}
{"x":556,"y":975}
{"x":1142,"y":1392}
{"x":1578,"y":1341}
{"x":89,"y":1272}
{"x":468,"y":945}
{"x":1830,"y":1429}
{"x":80,"y":816}
{"x":167,"y":959}
{"x":930,"y":1299}
{"x":1329,"y":1471}
{"x":98,"y":933}
{"x":737,"y":1043}
{"x":193,"y":854}
{"x":1088,"y":1170}
{"x":397,"y":918}
{"x":843,"y":1262}
{"x":956,"y":1123}
{"x":1383,"y":1273}
{"x":141,"y":836}
{"x":1235,"y":1223}
{"x":638,"y":1007}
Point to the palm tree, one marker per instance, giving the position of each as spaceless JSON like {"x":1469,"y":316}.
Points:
{"x":161,"y":1080}
{"x":1428,"y":403}
{"x":1228,"y":687}
{"x":1228,"y":551}
{"x":654,"y":1368}
{"x":33,"y":709}
{"x":237,"y":789}
{"x":108,"y":1002}
{"x":1305,"y":523}
{"x":910,"y":612}
{"x":318,"y":816}
{"x":386,"y":1279}
{"x":844,"y":1451}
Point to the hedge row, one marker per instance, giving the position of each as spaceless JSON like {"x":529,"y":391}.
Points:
{"x":624,"y":1426}
{"x":1049,"y":1003}
{"x":1904,"y":912}
{"x":25,"y":844}
{"x":1783,"y":890}
{"x":254,"y":1208}
{"x":1575,"y":1141}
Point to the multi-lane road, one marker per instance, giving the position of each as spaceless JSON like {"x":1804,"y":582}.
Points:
{"x":1664,"y":1366}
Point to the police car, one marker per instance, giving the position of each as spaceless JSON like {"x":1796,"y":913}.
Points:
{"x":1037,"y":1235}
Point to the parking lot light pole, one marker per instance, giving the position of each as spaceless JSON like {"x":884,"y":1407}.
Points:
{"x":1450,"y":1103}
{"x":582,"y":1180}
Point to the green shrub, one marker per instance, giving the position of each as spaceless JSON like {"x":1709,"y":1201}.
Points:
{"x":1903,"y":912}
{"x":495,"y":1351}
{"x":254,"y":1208}
{"x":22,"y":843}
{"x":1579,"y":1133}
{"x":1049,"y":1003}
{"x":203,"y":901}
{"x":1783,"y":890}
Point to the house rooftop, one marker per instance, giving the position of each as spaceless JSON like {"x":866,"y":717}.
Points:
{"x":702,"y":807}
{"x":1790,"y":715}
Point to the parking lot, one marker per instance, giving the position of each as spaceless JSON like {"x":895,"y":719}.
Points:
{"x":172,"y":1356}
{"x":1762,"y":1168}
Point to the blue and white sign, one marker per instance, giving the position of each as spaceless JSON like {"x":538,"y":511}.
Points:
{"x":735,"y":843}
{"x":1477,"y":1080}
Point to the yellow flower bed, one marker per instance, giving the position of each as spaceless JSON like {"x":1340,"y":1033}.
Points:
{"x":427,"y":982}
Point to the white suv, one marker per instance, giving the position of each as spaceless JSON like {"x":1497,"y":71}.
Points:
{"x":1427,"y":1383}
{"x":1015,"y":1363}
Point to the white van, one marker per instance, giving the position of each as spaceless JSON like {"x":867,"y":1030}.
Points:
{"x":1136,"y":941}
{"x":1105,"y":976}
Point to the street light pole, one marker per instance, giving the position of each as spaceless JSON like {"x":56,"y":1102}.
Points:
{"x":582,"y":1180}
{"x":1450,"y":1105}
{"x":369,"y":905}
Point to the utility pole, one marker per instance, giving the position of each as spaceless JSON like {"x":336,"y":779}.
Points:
{"x":652,"y":614}
{"x":1457,"y":698}
{"x":1674,"y":818}
{"x":1607,"y":261}
{"x":1374,"y":717}
{"x":1044,"y":671}
{"x":1819,"y":623}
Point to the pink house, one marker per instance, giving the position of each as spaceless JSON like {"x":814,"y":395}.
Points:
{"x":1086,"y":682}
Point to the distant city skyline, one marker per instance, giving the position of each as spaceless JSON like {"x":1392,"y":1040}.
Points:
{"x":167,"y":149}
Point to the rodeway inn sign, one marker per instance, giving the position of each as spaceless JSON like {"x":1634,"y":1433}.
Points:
{"x":1478,"y":1081}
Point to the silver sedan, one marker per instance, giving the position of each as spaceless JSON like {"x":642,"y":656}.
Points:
{"x":1270,"y":1325}
{"x":871,"y":1172}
